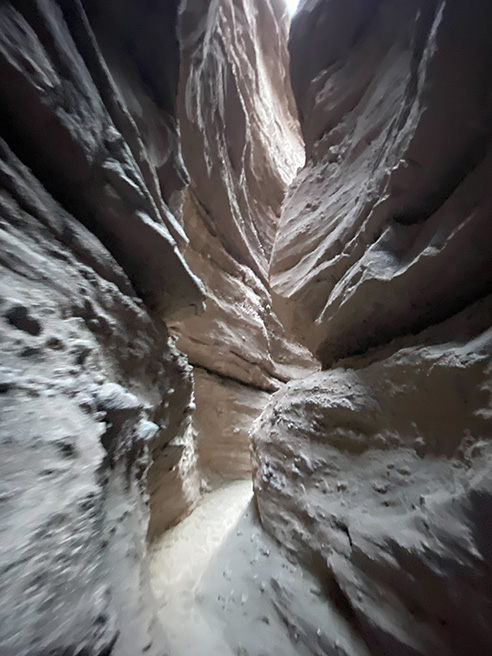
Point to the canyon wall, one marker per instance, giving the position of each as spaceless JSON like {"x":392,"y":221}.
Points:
{"x":242,"y":147}
{"x":145,"y":150}
{"x":107,"y":432}
{"x":91,"y":385}
{"x":375,"y":473}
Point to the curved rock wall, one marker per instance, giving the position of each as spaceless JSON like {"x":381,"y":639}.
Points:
{"x":96,"y":401}
{"x":376,"y":475}
{"x":394,"y":98}
{"x":375,"y":472}
{"x":91,"y":384}
{"x":242,"y":147}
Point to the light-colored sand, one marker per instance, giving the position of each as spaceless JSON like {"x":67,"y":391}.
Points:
{"x":181,"y":556}
{"x":179,"y":560}
{"x":225,"y":588}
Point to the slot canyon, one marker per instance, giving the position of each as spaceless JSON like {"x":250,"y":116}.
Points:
{"x":246,"y":328}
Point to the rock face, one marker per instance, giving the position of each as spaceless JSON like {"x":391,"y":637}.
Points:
{"x":91,"y":384}
{"x":96,"y":401}
{"x":224,"y":414}
{"x":375,"y":472}
{"x":242,"y":147}
{"x":395,"y":107}
{"x":376,"y":475}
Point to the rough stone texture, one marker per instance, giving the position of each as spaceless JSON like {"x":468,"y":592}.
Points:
{"x":173,"y":481}
{"x":236,"y":101}
{"x":394,"y":99}
{"x":376,"y":472}
{"x":224,"y":414}
{"x":68,"y":121}
{"x":238,"y":335}
{"x":90,"y":382}
{"x":376,"y":475}
{"x":84,"y":370}
{"x":242,"y":146}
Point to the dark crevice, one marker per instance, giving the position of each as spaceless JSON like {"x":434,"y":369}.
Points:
{"x":424,"y":208}
{"x":156,"y":57}
{"x":70,"y":235}
{"x":26,"y":150}
{"x":372,"y":346}
{"x":231,"y":379}
{"x":72,"y":170}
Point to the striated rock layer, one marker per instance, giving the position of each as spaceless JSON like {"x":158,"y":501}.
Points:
{"x":242,"y":147}
{"x":90,"y":384}
{"x":395,"y":106}
{"x":375,"y":473}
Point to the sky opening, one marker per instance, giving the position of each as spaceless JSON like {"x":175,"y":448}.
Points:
{"x":292,"y":5}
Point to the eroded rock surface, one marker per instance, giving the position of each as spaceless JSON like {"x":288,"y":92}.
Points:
{"x":381,"y":471}
{"x":242,"y":147}
{"x":375,"y":472}
{"x":97,"y":403}
{"x":224,"y":415}
{"x":394,"y":100}
{"x":91,"y":384}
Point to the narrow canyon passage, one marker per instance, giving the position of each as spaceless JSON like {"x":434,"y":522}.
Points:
{"x":245,"y":328}
{"x":180,"y":559}
{"x":224,"y":586}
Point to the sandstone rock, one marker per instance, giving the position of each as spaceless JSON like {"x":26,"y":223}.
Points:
{"x":66,"y":119}
{"x":86,"y":371}
{"x":97,"y":400}
{"x":371,"y":477}
{"x":250,"y":145}
{"x":238,"y":335}
{"x":80,"y":398}
{"x":242,"y":150}
{"x":394,"y":105}
{"x":375,"y":475}
{"x":225,"y":411}
{"x":242,"y":146}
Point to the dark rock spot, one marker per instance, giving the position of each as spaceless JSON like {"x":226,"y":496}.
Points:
{"x":81,"y":354}
{"x":20,"y":317}
{"x":30,"y":351}
{"x":5,"y":386}
{"x":66,"y":448}
{"x":55,"y":343}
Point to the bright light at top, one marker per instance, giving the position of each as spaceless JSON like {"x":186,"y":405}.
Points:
{"x":292,"y":5}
